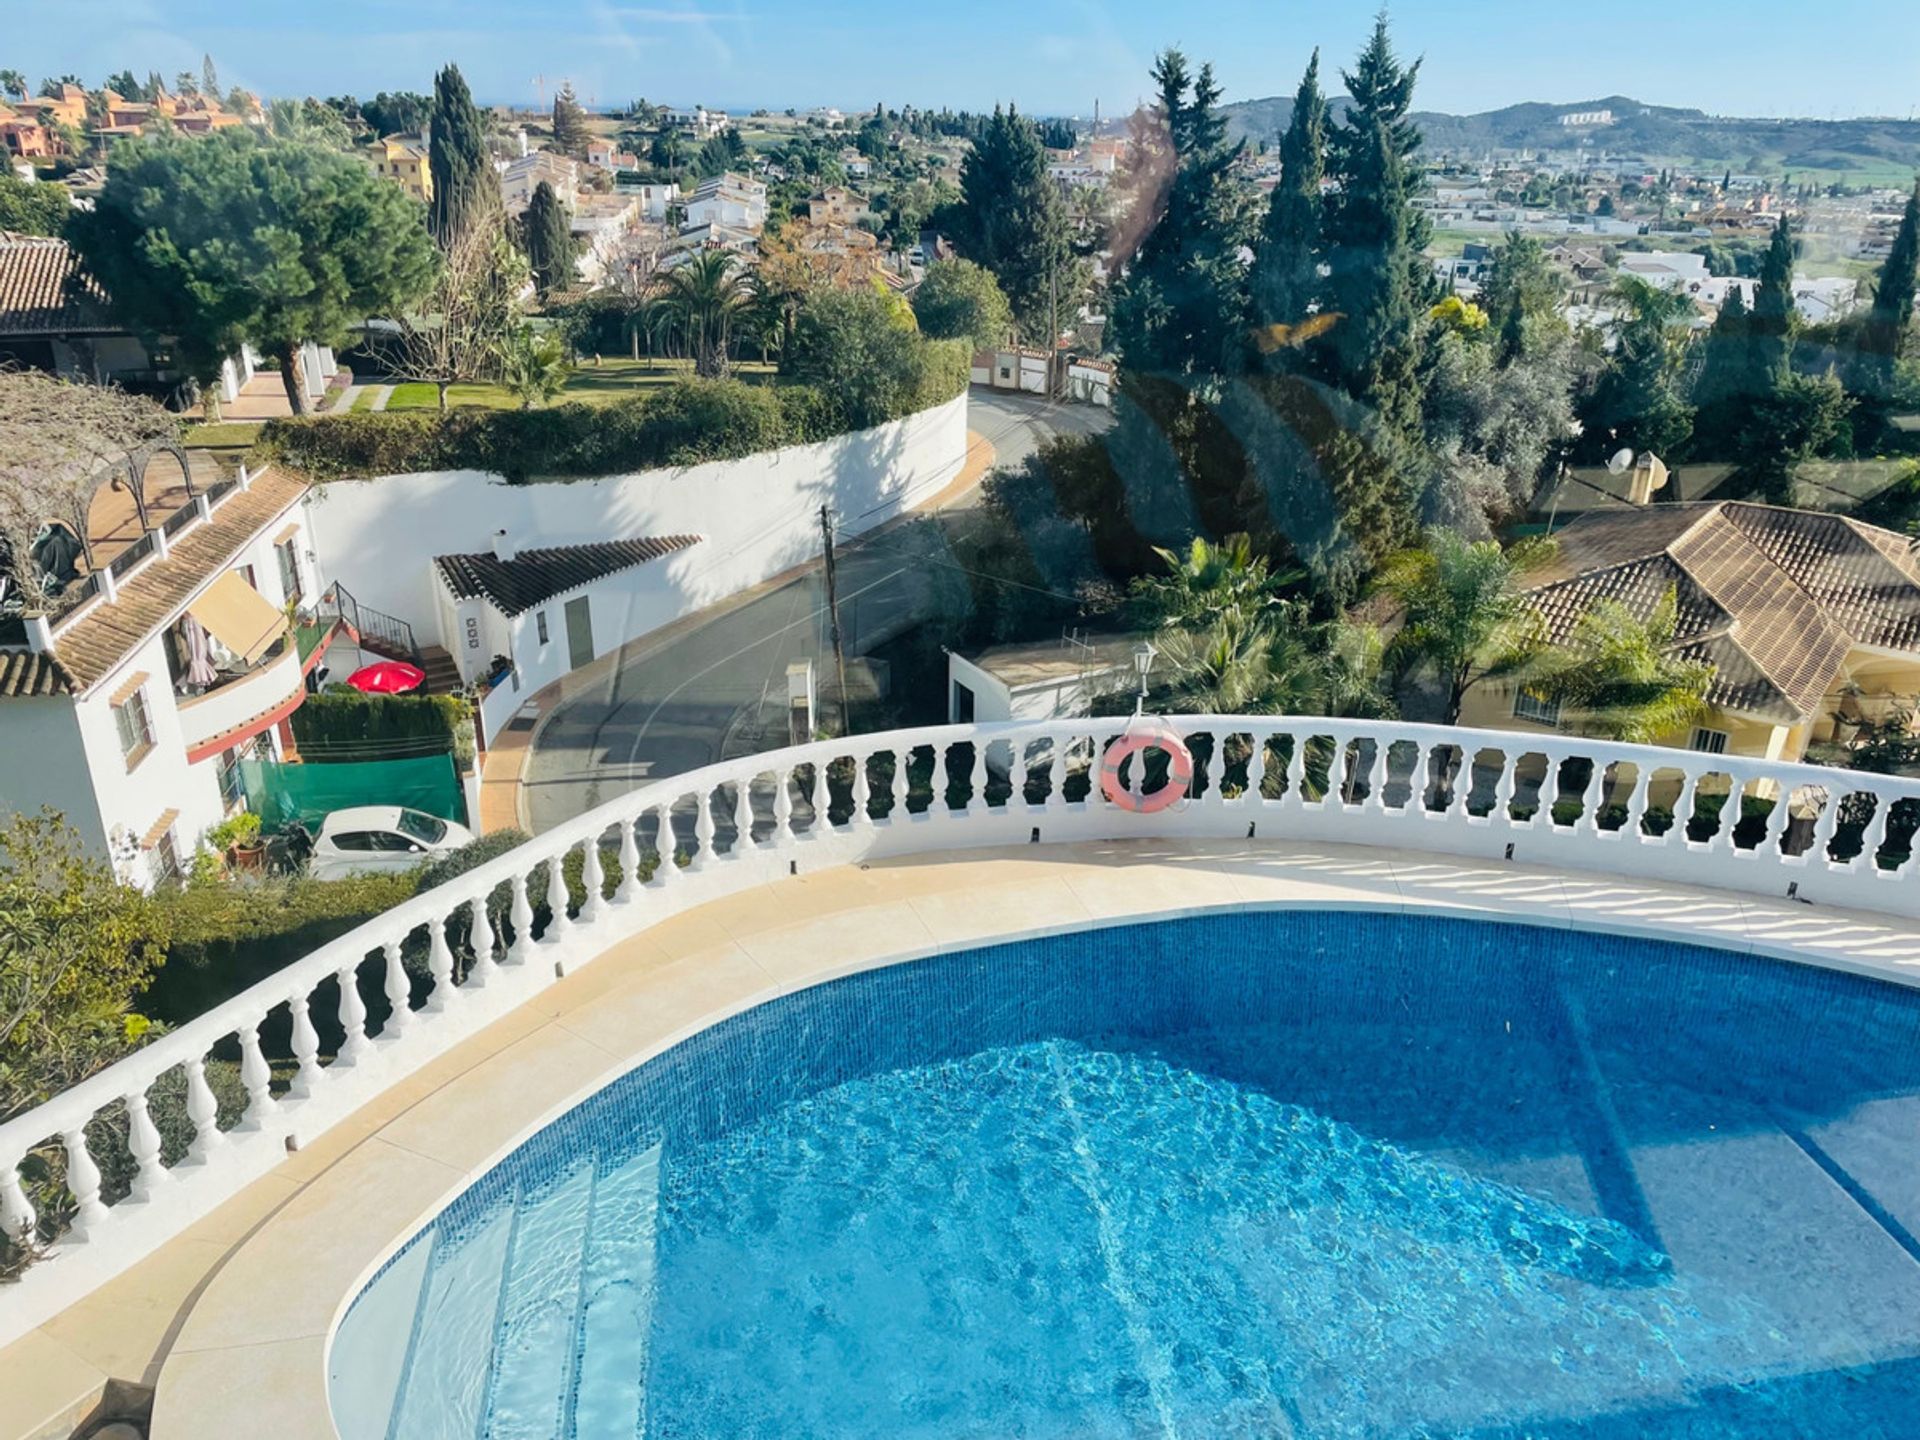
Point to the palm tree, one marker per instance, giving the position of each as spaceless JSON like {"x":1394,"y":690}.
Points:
{"x":766,"y":314}
{"x":12,"y":82}
{"x":533,"y":366}
{"x":1209,"y":582}
{"x":704,"y":295}
{"x":1618,"y":677}
{"x":1466,"y":617}
{"x":647,"y":323}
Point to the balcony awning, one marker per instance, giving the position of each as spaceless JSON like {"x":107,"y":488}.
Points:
{"x":238,"y":616}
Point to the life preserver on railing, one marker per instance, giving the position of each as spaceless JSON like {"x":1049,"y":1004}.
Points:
{"x":1139,"y":742}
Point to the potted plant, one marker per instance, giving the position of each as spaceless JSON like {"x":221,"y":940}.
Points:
{"x":238,"y":838}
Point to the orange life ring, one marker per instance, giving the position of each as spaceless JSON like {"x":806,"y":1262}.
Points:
{"x":1179,"y":770}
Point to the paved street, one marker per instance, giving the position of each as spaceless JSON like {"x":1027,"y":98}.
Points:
{"x":672,"y":707}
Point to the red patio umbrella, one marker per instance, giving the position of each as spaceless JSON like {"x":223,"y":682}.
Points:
{"x":388,"y":677}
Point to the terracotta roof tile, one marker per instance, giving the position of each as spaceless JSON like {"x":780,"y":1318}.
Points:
{"x":1773,"y":598}
{"x":24,"y":673}
{"x":532,"y":576}
{"x":43,"y":290}
{"x":104,"y":635}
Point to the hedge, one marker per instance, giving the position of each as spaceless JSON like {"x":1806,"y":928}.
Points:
{"x":341,"y":724}
{"x":688,"y":422}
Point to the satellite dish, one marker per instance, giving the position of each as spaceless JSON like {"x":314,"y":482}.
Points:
{"x":1620,"y":461}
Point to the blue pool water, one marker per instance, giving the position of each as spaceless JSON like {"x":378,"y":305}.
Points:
{"x":1296,"y":1174}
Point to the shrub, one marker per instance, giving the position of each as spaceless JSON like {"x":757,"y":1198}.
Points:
{"x":686,"y":423}
{"x":343,"y":724}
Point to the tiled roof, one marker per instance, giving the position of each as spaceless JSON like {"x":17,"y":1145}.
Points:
{"x":512,"y":586}
{"x":1773,"y":598}
{"x":42,"y":289}
{"x":103,"y":635}
{"x":24,"y":673}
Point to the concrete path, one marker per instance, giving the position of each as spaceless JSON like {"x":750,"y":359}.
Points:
{"x":381,"y":395}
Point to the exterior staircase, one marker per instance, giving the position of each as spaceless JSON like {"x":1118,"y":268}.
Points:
{"x":443,"y":676}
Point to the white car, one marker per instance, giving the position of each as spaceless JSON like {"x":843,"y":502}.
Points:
{"x":369,"y":838}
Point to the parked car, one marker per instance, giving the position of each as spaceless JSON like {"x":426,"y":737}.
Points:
{"x":381,"y":837}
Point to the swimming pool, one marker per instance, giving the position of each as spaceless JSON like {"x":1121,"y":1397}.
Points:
{"x":1300,"y":1173}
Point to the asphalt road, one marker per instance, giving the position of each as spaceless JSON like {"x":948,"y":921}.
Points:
{"x":674,"y":706}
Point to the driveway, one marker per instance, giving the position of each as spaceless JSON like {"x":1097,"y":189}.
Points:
{"x":657,"y":710}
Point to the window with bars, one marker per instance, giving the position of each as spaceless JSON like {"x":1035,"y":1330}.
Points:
{"x":289,"y":570}
{"x":1710,"y":742}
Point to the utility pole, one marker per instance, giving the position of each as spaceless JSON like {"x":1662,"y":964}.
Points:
{"x":1053,"y":332}
{"x":833,"y":612}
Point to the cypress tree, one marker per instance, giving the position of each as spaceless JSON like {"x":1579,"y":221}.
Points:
{"x":1286,"y":271}
{"x":1012,"y":221}
{"x":1772,"y":320}
{"x":1725,"y":383}
{"x":1884,"y":331}
{"x":465,"y":187}
{"x":548,"y":236}
{"x":1369,"y":349}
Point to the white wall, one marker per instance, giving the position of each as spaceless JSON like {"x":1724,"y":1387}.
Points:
{"x":758,"y":516}
{"x":44,"y":762}
{"x":991,"y":699}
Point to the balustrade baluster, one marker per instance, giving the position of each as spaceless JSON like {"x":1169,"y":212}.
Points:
{"x":1721,"y":841}
{"x":703,"y":828}
{"x":862,"y":792}
{"x":520,"y":916}
{"x":306,"y":1050}
{"x":257,"y":1078}
{"x":977,"y":781}
{"x":822,"y":799}
{"x":203,"y":1109}
{"x":143,"y":1143}
{"x":1506,"y":787}
{"x":1589,"y":823}
{"x":593,"y":881}
{"x":1874,"y":836}
{"x":1463,"y":785}
{"x":1683,"y":805}
{"x":629,"y":885}
{"x":1375,"y":777}
{"x":782,"y":806}
{"x":1296,"y":796}
{"x":1636,"y":801}
{"x":17,"y":1217}
{"x":743,"y":815}
{"x":83,"y":1181}
{"x":481,"y":937}
{"x":399,"y":992}
{"x":1819,"y":852}
{"x":439,"y":965}
{"x":666,"y":845}
{"x":353,"y":1015}
{"x":1256,"y":771}
{"x":558,"y":921}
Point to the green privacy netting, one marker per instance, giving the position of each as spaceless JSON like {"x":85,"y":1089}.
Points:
{"x":308,"y":793}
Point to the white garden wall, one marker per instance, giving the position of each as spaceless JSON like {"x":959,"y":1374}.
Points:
{"x":757,"y":516}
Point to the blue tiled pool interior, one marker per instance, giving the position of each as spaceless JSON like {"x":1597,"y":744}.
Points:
{"x":1265,"y":1174}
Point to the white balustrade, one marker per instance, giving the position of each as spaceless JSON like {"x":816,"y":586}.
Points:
{"x":1354,"y":764}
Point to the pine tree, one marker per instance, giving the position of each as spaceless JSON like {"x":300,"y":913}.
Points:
{"x":1521,"y":296}
{"x":547,"y":233}
{"x":1883,"y":333}
{"x":1286,"y":269}
{"x":1012,"y":221}
{"x":465,"y":187}
{"x":1725,"y":384}
{"x":1773,"y":314}
{"x":1380,"y":90}
{"x":569,"y":124}
{"x":209,"y":78}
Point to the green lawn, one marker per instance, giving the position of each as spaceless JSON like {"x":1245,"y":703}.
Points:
{"x":364,"y":400}
{"x":415,"y":395}
{"x":589,"y":384}
{"x":226,"y":435}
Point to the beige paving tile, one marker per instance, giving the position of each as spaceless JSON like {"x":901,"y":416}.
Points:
{"x":1135,"y":887}
{"x":122,"y":1329}
{"x":467,"y":1124}
{"x":994,"y":909}
{"x":838,"y":944}
{"x":224,"y":1393}
{"x":43,"y":1383}
{"x":324,"y":1240}
{"x":641,"y":1017}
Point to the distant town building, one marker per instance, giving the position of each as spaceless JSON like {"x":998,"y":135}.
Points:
{"x":521,"y":176}
{"x":1581,"y":119}
{"x":403,"y":160}
{"x":728,"y":199}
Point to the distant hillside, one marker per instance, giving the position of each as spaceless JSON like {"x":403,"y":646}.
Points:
{"x":1877,"y":150}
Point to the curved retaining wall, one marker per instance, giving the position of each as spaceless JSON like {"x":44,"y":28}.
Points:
{"x":757,"y":516}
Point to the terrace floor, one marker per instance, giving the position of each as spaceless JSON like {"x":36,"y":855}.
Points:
{"x":231,"y":1318}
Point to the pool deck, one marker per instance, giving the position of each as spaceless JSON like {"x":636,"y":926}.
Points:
{"x":231,"y":1320}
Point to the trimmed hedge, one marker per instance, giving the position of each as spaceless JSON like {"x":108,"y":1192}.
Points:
{"x":688,"y":422}
{"x":341,"y":724}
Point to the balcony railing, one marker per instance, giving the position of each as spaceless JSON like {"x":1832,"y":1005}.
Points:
{"x":347,"y":1021}
{"x":233,"y":700}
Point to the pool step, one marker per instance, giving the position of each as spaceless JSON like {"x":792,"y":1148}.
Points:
{"x":609,"y":1395}
{"x":533,"y":1357}
{"x":442,"y":1393}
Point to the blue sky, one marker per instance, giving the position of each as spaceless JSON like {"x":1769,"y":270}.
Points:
{"x":1770,"y":57}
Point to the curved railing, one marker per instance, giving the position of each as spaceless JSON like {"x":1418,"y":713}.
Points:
{"x":314,"y":1041}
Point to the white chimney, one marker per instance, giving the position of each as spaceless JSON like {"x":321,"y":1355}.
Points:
{"x":503,"y":547}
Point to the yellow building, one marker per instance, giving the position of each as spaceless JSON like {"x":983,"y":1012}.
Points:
{"x":403,"y":159}
{"x":1811,"y":621}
